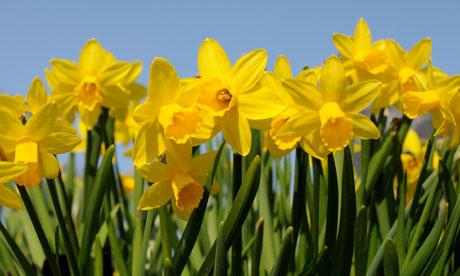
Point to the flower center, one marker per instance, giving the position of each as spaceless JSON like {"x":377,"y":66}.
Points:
{"x":89,"y":92}
{"x":27,"y":152}
{"x":224,"y":96}
{"x":336,"y":129}
{"x":215,"y":95}
{"x":187,"y":192}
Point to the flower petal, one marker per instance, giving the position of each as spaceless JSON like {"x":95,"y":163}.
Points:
{"x":9,"y":198}
{"x":10,"y":170}
{"x":213,"y":61}
{"x":155,"y":172}
{"x":14,"y":105}
{"x":260,"y":104}
{"x":343,"y":44}
{"x":60,"y":142}
{"x":11,"y":126}
{"x":164,"y":83}
{"x":363,"y":127}
{"x":236,"y":131}
{"x":149,"y":143}
{"x":179,"y":155}
{"x":248,"y":70}
{"x":419,"y":54}
{"x":115,"y":73}
{"x":282,"y":68}
{"x":49,"y":165}
{"x":314,"y":146}
{"x":41,"y":124}
{"x":89,"y":116}
{"x":332,"y":80}
{"x":362,"y":35}
{"x":156,"y":196}
{"x":360,"y":95}
{"x":300,"y":124}
{"x":201,"y":166}
{"x":37,"y":96}
{"x":303,"y":94}
{"x":113,"y":97}
{"x":65,"y":71}
{"x":92,"y":57}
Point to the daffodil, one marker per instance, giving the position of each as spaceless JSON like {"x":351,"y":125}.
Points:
{"x":35,"y":142}
{"x":412,"y":160}
{"x":8,"y":172}
{"x":330,"y":113}
{"x":448,"y":121}
{"x":98,"y":80}
{"x":431,"y":97}
{"x":234,"y":94}
{"x":365,"y":60}
{"x":179,"y":180}
{"x":167,"y":114}
{"x":277,"y":144}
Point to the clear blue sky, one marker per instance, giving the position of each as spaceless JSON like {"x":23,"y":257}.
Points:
{"x":32,"y":32}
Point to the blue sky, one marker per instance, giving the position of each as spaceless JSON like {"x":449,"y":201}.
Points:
{"x":32,"y":32}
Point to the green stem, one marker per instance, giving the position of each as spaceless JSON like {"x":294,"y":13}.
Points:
{"x":39,"y":230}
{"x":68,"y":213}
{"x":237,"y":264}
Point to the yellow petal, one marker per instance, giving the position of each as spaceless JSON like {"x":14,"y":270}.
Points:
{"x":179,"y":155}
{"x":213,"y":61}
{"x":395,"y":53}
{"x":164,"y":83}
{"x":236,"y":131}
{"x":134,"y":72}
{"x":89,"y":116}
{"x":37,"y":96}
{"x":201,"y":166}
{"x":362,"y":36}
{"x":248,"y":70}
{"x":283,"y":142}
{"x":418,"y":103}
{"x":9,"y":198}
{"x":155,"y":172}
{"x":260,"y":104}
{"x":92,"y":57}
{"x":187,"y":192}
{"x":450,"y":84}
{"x":11,"y":126}
{"x":156,"y":196}
{"x":183,"y":215}
{"x":300,"y":124}
{"x":146,"y":111}
{"x":10,"y":170}
{"x":275,"y":85}
{"x":115,"y":73}
{"x":14,"y":105}
{"x":66,"y":71}
{"x":137,"y":91}
{"x":332,"y":81}
{"x":343,"y":44}
{"x":49,"y":165}
{"x":363,"y":127}
{"x":412,"y":143}
{"x":149,"y":143}
{"x":336,"y":128}
{"x":41,"y":124}
{"x":303,"y":94}
{"x":65,"y":101}
{"x":282,"y":68}
{"x":113,"y":97}
{"x":419,"y":54}
{"x":314,"y":146}
{"x":31,"y":177}
{"x":360,"y":95}
{"x":60,"y":142}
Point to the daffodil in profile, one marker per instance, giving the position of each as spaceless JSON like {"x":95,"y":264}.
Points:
{"x":34,"y":141}
{"x":97,"y":81}
{"x":8,"y":172}
{"x":179,"y":180}
{"x":330,"y":113}
{"x":447,"y":122}
{"x":234,"y":94}
{"x":168,"y":113}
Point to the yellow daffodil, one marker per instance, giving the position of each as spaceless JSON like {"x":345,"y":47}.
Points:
{"x":412,"y":159}
{"x":167,"y":114}
{"x":447,"y":123}
{"x":330,"y":113}
{"x":409,"y":65}
{"x":35,"y":142}
{"x":128,"y":182}
{"x":180,"y":180}
{"x":277,"y":144}
{"x":430,"y":98}
{"x":365,"y":55}
{"x":234,"y":94}
{"x":97,"y":80}
{"x":8,"y":172}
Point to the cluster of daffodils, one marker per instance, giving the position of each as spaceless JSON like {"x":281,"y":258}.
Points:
{"x":319,"y":109}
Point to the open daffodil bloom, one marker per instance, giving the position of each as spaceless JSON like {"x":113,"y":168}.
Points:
{"x":180,"y":180}
{"x":330,"y":114}
{"x":234,"y":94}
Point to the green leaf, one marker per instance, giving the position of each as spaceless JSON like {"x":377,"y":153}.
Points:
{"x":98,"y":262}
{"x":221,"y":253}
{"x":360,"y":243}
{"x":281,"y":267}
{"x":332,"y":211}
{"x":238,"y":212}
{"x":390,"y":258}
{"x":95,"y":204}
{"x":25,"y":265}
{"x":257,"y":250}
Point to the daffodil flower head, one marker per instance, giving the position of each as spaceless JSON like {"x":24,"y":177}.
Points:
{"x":97,"y":80}
{"x":35,"y":141}
{"x":179,"y":180}
{"x":234,"y":94}
{"x":167,"y":113}
{"x":330,"y":112}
